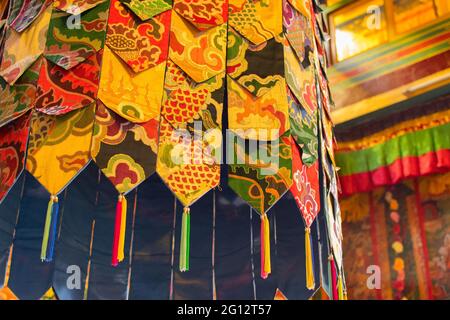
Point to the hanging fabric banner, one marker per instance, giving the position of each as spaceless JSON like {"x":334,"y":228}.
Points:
{"x":204,"y":14}
{"x":13,"y":144}
{"x":58,"y":149}
{"x":17,"y":99}
{"x":60,"y":91}
{"x":256,"y":20}
{"x":146,"y":9}
{"x":74,"y":37}
{"x":141,"y":45}
{"x":24,"y":12}
{"x":21,"y":50}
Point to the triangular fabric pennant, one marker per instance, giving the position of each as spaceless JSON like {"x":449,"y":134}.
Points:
{"x":72,"y":39}
{"x":134,"y":96}
{"x":21,"y":50}
{"x":123,"y":150}
{"x":58,"y":148}
{"x":189,"y":102}
{"x":256,"y":20}
{"x":141,"y":45}
{"x":304,"y":129}
{"x":200,"y":54}
{"x":263,"y":176}
{"x":187,"y":166}
{"x":24,"y":12}
{"x":13,"y":144}
{"x":205,"y":14}
{"x":147,"y":9}
{"x":17,"y":99}
{"x":267,"y":115}
{"x":60,"y":91}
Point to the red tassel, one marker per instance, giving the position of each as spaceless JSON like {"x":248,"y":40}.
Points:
{"x":333,"y":278}
{"x":115,"y":249}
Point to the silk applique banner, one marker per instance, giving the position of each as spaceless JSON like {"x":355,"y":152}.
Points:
{"x":60,"y":91}
{"x":24,"y":12}
{"x":141,"y":45}
{"x":146,"y":9}
{"x":17,"y":99}
{"x":72,"y":38}
{"x":261,"y":178}
{"x":21,"y":50}
{"x":256,"y":20}
{"x":59,"y":147}
{"x":12,"y":151}
{"x":298,"y":32}
{"x":256,"y":68}
{"x":189,"y":102}
{"x":188,"y":167}
{"x":203,"y":14}
{"x":304,"y":129}
{"x":135,"y":97}
{"x":201,"y":54}
{"x":123,"y":150}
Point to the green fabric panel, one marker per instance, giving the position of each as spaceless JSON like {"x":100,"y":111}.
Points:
{"x":409,"y":145}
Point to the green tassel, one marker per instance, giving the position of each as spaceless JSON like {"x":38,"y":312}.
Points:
{"x":48,"y":219}
{"x":185,"y":240}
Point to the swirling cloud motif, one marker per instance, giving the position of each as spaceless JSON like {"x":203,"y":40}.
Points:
{"x":124,"y":172}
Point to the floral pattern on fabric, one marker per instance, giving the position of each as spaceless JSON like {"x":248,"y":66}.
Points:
{"x":147,"y":9}
{"x":21,"y":50}
{"x":17,"y":99}
{"x":203,"y":14}
{"x":256,"y":20}
{"x":58,"y":148}
{"x":188,"y":101}
{"x":259,"y":181}
{"x":135,"y":97}
{"x":124,"y":151}
{"x":60,"y":91}
{"x":24,"y":12}
{"x":68,"y":47}
{"x":141,"y":45}
{"x":306,"y":187}
{"x":200,"y":54}
{"x":14,"y":137}
{"x":188,"y":167}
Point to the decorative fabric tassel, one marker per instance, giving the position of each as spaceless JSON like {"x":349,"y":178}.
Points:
{"x":310,"y":281}
{"x":185,"y":239}
{"x":333,"y":278}
{"x":119,"y":231}
{"x":49,"y":236}
{"x":340,"y":288}
{"x":266,"y":268}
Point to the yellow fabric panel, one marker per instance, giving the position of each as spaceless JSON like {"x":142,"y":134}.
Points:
{"x":76,"y":6}
{"x":302,"y":6}
{"x":59,"y":147}
{"x":23,"y":49}
{"x":201,"y":54}
{"x":259,"y":20}
{"x":135,"y":97}
{"x":269,"y":112}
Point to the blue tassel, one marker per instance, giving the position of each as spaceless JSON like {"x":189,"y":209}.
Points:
{"x":53,"y":230}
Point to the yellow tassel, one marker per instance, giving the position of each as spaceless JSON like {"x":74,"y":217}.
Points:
{"x":340,"y":288}
{"x":310,"y":281}
{"x":123,"y":224}
{"x":266,"y":267}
